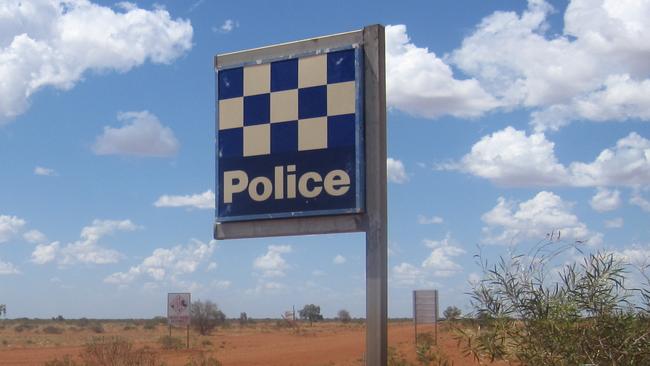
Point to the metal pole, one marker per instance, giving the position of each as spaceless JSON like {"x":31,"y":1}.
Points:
{"x":188,"y":336}
{"x":376,"y":229}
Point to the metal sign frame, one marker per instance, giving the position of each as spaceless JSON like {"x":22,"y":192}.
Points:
{"x":373,"y":221}
{"x":425,"y":300}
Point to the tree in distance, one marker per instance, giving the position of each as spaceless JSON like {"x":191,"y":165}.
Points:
{"x":3,"y":310}
{"x":451,"y":313}
{"x":243,"y":319}
{"x":205,"y":316}
{"x":310,"y":312}
{"x":344,"y":316}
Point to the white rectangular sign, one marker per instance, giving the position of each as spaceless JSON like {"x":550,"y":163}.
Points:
{"x":178,"y":309}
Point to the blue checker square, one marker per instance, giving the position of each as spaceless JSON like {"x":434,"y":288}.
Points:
{"x":257,"y":109}
{"x":284,"y":137}
{"x":341,"y":130}
{"x":231,"y":142}
{"x":231,"y":83}
{"x":340,"y":66}
{"x":312,"y":102}
{"x":284,"y":75}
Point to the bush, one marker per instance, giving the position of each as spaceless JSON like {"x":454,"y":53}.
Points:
{"x":206,"y":316}
{"x":243,"y":319}
{"x":52,"y":330}
{"x":202,"y":361}
{"x":311,"y":312}
{"x":451,"y":313}
{"x":167,"y":342}
{"x":150,"y":325}
{"x":66,"y":361}
{"x":116,"y":351}
{"x":97,"y":328}
{"x":586,"y":317}
{"x":344,"y":316}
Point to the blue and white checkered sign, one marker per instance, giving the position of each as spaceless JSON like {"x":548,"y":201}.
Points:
{"x":289,"y":137}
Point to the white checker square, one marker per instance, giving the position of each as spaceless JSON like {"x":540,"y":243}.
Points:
{"x":312,"y":133}
{"x":257,"y":140}
{"x":231,"y":113}
{"x":341,"y":98}
{"x":257,"y":79}
{"x":284,"y":106}
{"x":312,"y":71}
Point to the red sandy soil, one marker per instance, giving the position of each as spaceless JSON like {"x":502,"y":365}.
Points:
{"x":331,"y":344}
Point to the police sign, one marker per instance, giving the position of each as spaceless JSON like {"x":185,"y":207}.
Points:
{"x":289,"y":136}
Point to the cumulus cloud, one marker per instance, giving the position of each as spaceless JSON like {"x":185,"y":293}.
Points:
{"x":510,"y":157}
{"x":396,"y":171}
{"x":168,"y":264}
{"x":141,"y":135}
{"x":39,"y":170}
{"x":510,"y":222}
{"x":86,"y":250}
{"x":420,"y":83}
{"x":34,"y":237}
{"x":10,"y":226}
{"x":423,"y":220}
{"x":203,"y":200}
{"x":228,"y":26}
{"x":594,"y":70}
{"x":638,"y":200}
{"x":605,"y":200}
{"x":55,"y":43}
{"x":7,"y":268}
{"x":273,"y":264}
{"x":440,"y":260}
{"x":339,"y":259}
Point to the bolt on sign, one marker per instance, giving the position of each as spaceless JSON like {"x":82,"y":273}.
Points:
{"x":178,"y":309}
{"x":301,"y":149}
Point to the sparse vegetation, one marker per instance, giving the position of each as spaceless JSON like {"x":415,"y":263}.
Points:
{"x":116,"y":351}
{"x":3,"y":310}
{"x":201,"y":360}
{"x":451,"y":313}
{"x":53,"y":330}
{"x":344,"y":316}
{"x":243,"y":319}
{"x":206,"y":316}
{"x":585,"y":316}
{"x":167,"y":342}
{"x":310,"y":312}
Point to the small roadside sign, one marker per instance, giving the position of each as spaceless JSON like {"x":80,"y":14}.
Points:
{"x":178,"y":309}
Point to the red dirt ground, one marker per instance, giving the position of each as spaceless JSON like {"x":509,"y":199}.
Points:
{"x":331,"y":344}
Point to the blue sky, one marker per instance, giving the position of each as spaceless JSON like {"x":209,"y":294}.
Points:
{"x":507,"y":120}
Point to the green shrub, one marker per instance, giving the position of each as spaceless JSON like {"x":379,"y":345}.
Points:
{"x":587,"y":316}
{"x":116,"y":352}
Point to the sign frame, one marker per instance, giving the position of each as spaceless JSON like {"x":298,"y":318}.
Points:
{"x":421,"y":303}
{"x":374,"y":219}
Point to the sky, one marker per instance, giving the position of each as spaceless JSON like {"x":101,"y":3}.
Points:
{"x":507,"y":121}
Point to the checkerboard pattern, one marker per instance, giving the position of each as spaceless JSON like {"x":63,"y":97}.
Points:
{"x":299,"y":104}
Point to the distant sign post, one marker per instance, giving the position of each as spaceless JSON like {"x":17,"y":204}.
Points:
{"x":301,"y":149}
{"x":178,"y":312}
{"x":425,"y":310}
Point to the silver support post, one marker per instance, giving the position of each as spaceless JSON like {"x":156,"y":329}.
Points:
{"x":376,"y":206}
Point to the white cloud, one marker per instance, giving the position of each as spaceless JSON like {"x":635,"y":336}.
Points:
{"x":638,"y":200}
{"x":595,"y":70}
{"x":421,"y":84}
{"x":34,"y":237}
{"x":509,"y":157}
{"x":55,"y":43}
{"x":228,"y":26}
{"x":510,"y":223}
{"x":10,"y":226}
{"x":406,"y":274}
{"x":339,"y":259}
{"x":636,"y":255}
{"x":221,"y":284}
{"x":615,"y":223}
{"x":395,"y":171}
{"x":39,"y":170}
{"x":212,"y":266}
{"x":605,"y":200}
{"x":87,"y":249}
{"x":423,"y":220}
{"x":168,"y":264}
{"x":142,"y":135}
{"x":440,"y":260}
{"x":7,"y":268}
{"x":272,"y":264}
{"x":44,"y":253}
{"x":203,"y":200}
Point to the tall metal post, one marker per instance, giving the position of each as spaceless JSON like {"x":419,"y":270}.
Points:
{"x":376,"y":205}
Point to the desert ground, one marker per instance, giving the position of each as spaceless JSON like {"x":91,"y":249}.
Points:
{"x":270,"y":342}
